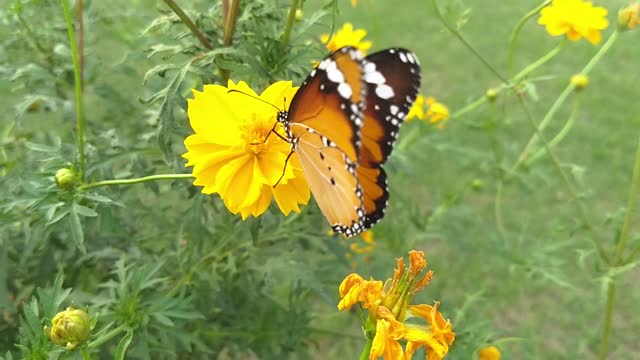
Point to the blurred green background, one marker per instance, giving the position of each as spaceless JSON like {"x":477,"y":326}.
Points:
{"x":535,"y":290}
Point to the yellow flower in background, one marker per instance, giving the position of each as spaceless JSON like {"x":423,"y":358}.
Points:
{"x":347,"y":36}
{"x":489,"y":353}
{"x":354,"y":3}
{"x":629,"y":17}
{"x":389,"y":307}
{"x":368,"y":246}
{"x":230,"y":156}
{"x":437,"y":112}
{"x":417,"y":110}
{"x":575,"y":18}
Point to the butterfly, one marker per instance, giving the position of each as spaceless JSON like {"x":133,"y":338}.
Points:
{"x":342,"y":123}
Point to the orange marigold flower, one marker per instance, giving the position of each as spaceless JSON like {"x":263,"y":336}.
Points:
{"x":489,"y":353}
{"x":574,"y":18}
{"x":436,"y":340}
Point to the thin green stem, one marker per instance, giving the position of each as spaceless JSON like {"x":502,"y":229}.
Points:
{"x":85,"y":353}
{"x":230,"y":23}
{"x":108,"y":336}
{"x":470,"y":107}
{"x":78,"y":83}
{"x":631,"y":202}
{"x":189,"y":23}
{"x":563,"y":97}
{"x":464,"y":41}
{"x":135,"y":180}
{"x":608,"y":316}
{"x":567,"y":182}
{"x":536,"y":64}
{"x":367,"y":349}
{"x":290,"y":20}
{"x":516,"y":31}
{"x":561,"y":134}
{"x":31,"y":36}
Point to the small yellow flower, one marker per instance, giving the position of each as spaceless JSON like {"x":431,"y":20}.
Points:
{"x":369,"y":243}
{"x":70,"y":328}
{"x":489,"y":353}
{"x":579,"y":81}
{"x":576,"y":19}
{"x":229,"y":153}
{"x":347,"y":36}
{"x":437,"y":112}
{"x":629,"y":17}
{"x":354,"y":3}
{"x":436,"y":340}
{"x":417,"y":110}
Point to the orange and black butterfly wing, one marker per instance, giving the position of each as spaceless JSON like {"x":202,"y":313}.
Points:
{"x":392,"y":79}
{"x":325,"y":118}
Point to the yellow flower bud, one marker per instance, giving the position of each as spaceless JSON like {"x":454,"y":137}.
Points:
{"x":70,"y":328}
{"x":492,"y":94}
{"x":65,"y":178}
{"x":629,"y":17}
{"x":489,"y":353}
{"x":579,"y":81}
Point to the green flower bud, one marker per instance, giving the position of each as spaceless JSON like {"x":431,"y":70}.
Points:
{"x":65,"y":178}
{"x":477,"y":184}
{"x":70,"y":328}
{"x":492,"y":94}
{"x":579,"y":81}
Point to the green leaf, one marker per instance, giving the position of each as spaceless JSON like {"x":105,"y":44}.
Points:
{"x":166,"y":111}
{"x":85,"y":211}
{"x":158,"y":70}
{"x":123,"y":345}
{"x":76,"y":228}
{"x":51,"y":299}
{"x":97,"y":198}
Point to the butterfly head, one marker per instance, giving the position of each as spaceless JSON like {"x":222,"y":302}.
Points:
{"x":283,"y":117}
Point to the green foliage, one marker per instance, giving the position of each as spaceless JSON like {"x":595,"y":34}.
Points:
{"x":167,"y":272}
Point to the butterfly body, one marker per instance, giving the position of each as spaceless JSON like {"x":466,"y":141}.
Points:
{"x":342,"y":123}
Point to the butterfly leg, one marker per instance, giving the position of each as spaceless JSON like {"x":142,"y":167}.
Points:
{"x":273,"y":130}
{"x":284,"y":169}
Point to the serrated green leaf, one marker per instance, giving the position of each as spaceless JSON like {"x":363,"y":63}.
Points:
{"x":158,"y":70}
{"x":40,"y":147}
{"x":163,"y":319}
{"x":123,"y":345}
{"x":166,"y":112}
{"x":77,"y":234}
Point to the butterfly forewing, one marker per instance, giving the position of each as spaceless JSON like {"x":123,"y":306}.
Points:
{"x":392,"y":79}
{"x":324,"y":120}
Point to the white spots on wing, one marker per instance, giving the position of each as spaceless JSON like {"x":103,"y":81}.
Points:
{"x":323,"y":65}
{"x":374,"y":77}
{"x":376,"y":107}
{"x":403,"y":57}
{"x":334,"y":74}
{"x":394,"y":109}
{"x":384,"y":91}
{"x":321,"y":86}
{"x":354,"y":108}
{"x":344,"y":90}
{"x":401,"y":115}
{"x":313,"y":73}
{"x":395,"y":122}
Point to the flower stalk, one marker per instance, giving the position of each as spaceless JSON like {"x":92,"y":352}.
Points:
{"x":516,"y":31}
{"x":290,"y":20}
{"x":78,"y":89}
{"x":135,"y":180}
{"x":189,"y":23}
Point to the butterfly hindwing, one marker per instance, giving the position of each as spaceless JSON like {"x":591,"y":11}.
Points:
{"x":392,"y":78}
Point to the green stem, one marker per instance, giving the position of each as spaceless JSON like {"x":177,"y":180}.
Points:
{"x":78,"y":83}
{"x":190,"y":24}
{"x":560,"y":136}
{"x":563,"y":97}
{"x":85,"y":353}
{"x":135,"y":180}
{"x":290,"y":20}
{"x":543,"y":60}
{"x":470,"y":107}
{"x":631,"y":202}
{"x":457,"y":34}
{"x":565,"y":178}
{"x":230,"y":23}
{"x":108,"y":336}
{"x":606,"y":327}
{"x":367,"y":349}
{"x":516,"y":31}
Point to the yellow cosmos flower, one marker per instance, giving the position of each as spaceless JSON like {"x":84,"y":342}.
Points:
{"x":417,"y":110}
{"x":347,"y":36}
{"x":354,"y":3}
{"x":489,"y":353}
{"x":575,"y":18}
{"x":629,"y":17}
{"x":229,"y":153}
{"x":437,"y":112}
{"x":389,"y":307}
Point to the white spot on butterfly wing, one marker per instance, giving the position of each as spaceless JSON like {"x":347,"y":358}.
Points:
{"x":384,"y":91}
{"x":344,"y":90}
{"x":334,"y":74}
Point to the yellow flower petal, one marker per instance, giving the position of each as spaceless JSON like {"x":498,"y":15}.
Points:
{"x":576,"y":19}
{"x":346,"y":36}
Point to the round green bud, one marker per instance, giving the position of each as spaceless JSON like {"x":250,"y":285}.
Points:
{"x":70,"y":328}
{"x":65,"y":178}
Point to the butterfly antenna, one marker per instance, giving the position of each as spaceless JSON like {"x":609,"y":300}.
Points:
{"x":254,"y":97}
